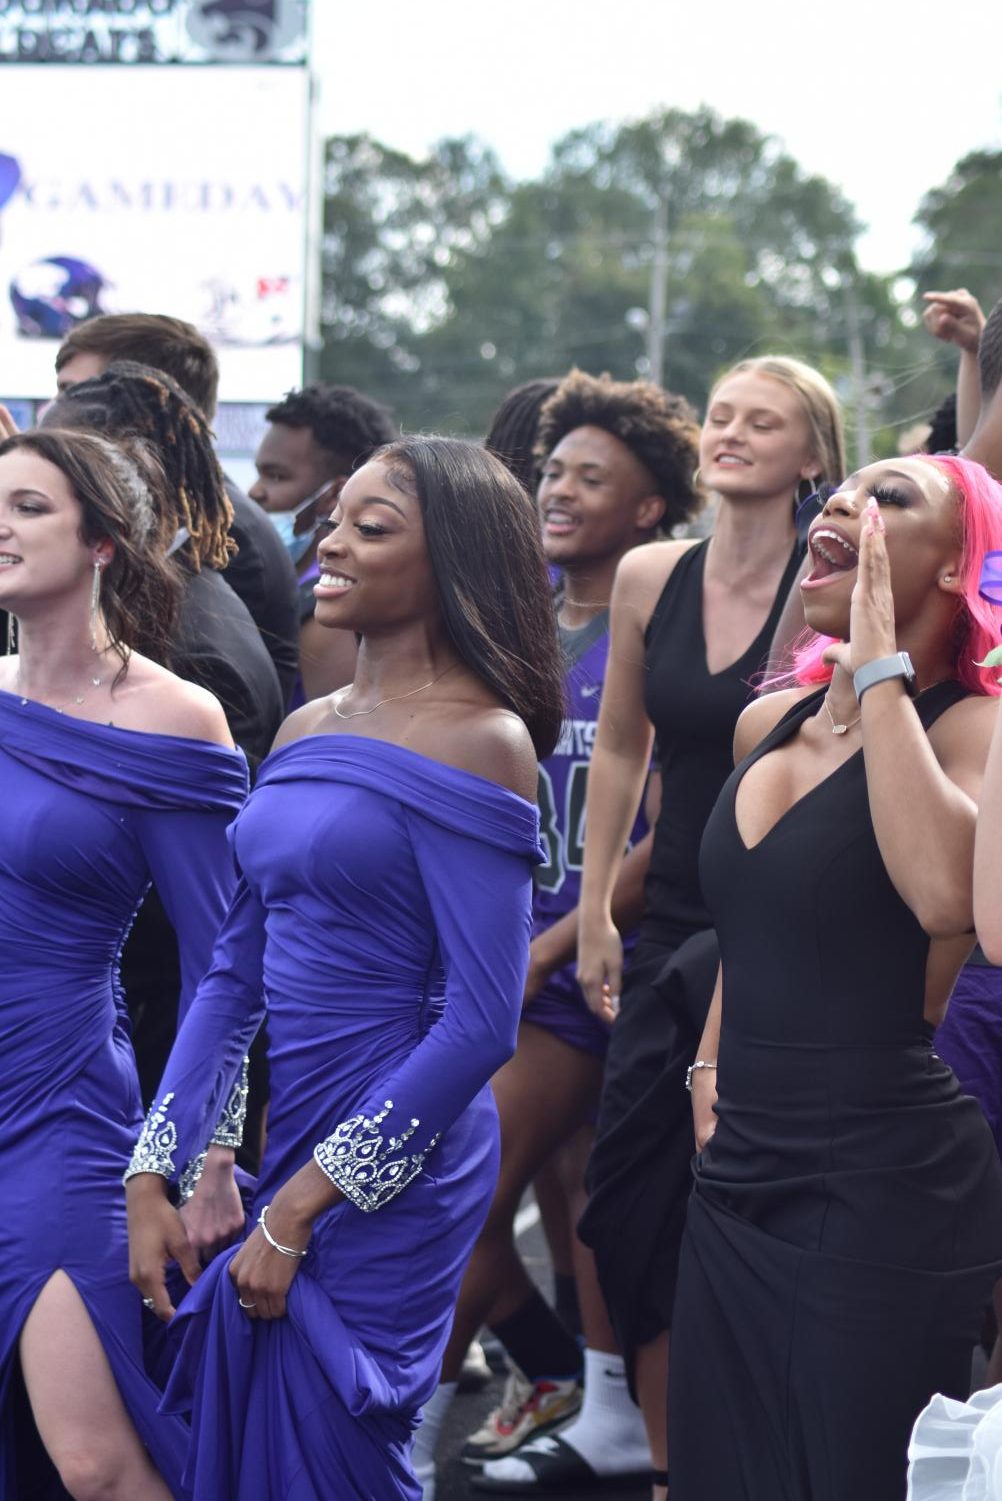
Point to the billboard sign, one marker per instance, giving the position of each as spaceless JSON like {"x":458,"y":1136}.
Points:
{"x":125,"y":190}
{"x":152,"y":31}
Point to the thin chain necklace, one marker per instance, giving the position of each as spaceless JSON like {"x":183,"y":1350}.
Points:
{"x":76,"y":700}
{"x":357,"y":713}
{"x":839,"y":729}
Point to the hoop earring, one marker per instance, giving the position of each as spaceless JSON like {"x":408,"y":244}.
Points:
{"x":697,"y":478}
{"x":11,"y":636}
{"x":95,"y":602}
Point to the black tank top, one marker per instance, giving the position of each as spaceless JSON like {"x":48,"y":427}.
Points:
{"x":694,"y":713}
{"x":817,"y":946}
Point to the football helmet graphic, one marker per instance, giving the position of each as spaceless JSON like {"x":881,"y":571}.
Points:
{"x":53,"y":295}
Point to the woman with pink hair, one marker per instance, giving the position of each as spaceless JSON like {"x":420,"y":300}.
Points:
{"x":845,"y":1229}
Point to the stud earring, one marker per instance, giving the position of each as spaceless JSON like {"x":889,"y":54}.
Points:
{"x":95,"y":602}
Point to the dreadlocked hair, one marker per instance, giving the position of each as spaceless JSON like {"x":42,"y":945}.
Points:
{"x":512,"y":435}
{"x":134,"y":401}
{"x":659,"y":429}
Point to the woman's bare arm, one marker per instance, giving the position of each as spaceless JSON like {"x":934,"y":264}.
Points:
{"x":619,"y":767}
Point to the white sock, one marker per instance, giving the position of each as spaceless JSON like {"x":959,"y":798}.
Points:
{"x":609,"y":1431}
{"x":426,"y":1438}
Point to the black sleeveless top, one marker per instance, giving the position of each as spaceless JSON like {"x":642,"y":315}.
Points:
{"x":817,"y":946}
{"x":694,"y":713}
{"x":838,"y":1128}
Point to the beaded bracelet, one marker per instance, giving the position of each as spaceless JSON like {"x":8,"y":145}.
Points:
{"x":699,"y":1063}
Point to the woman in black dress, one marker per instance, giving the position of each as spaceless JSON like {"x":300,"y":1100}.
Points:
{"x":691,"y":623}
{"x":846,"y":1225}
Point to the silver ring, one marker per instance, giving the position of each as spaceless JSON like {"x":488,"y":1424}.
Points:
{"x":245,"y":1305}
{"x":149,"y":1303}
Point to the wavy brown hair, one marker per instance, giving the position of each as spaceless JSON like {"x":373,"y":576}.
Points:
{"x":115,"y":491}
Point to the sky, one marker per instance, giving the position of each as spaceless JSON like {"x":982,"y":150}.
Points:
{"x":881,"y":97}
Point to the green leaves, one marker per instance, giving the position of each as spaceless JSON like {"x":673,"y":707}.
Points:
{"x":445,"y":283}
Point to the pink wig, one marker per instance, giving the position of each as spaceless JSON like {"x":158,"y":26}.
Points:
{"x":978,"y":621}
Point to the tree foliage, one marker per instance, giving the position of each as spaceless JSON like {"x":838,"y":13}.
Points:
{"x":446,"y":283}
{"x":962,"y":220}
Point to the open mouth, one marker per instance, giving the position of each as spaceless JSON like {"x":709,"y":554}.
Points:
{"x":559,"y":523}
{"x":334,"y":581}
{"x":832,"y":553}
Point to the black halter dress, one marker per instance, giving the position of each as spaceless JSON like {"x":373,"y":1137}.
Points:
{"x":846,"y":1225}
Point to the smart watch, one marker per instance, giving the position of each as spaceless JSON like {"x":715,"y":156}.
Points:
{"x":884,"y":668}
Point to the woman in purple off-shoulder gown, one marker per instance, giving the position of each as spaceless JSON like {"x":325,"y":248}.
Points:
{"x":113,"y":772}
{"x":385,"y":899}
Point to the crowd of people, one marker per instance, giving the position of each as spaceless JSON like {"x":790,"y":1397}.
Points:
{"x":611,"y":810}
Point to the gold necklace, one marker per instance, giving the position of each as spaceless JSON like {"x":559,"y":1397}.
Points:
{"x":393,"y":698}
{"x":839,"y":729}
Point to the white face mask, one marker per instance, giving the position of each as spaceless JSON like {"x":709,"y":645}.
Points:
{"x":284,"y":522}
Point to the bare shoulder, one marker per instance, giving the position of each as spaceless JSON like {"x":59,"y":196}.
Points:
{"x":493,"y":743}
{"x":762,"y":716}
{"x":157,"y":702}
{"x":963,"y":733}
{"x":305,"y":720}
{"x":643,"y":573}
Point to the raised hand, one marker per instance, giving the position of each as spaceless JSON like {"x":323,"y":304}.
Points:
{"x":871,"y":616}
{"x":955,"y":317}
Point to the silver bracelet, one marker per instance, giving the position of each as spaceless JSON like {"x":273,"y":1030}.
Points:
{"x":699,"y":1063}
{"x":275,"y":1246}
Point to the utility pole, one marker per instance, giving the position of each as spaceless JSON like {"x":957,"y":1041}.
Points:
{"x":657,"y":306}
{"x":857,"y":366}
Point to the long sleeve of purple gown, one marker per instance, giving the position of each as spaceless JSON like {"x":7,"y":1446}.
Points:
{"x":480,"y":900}
{"x":196,"y":889}
{"x":205,"y":1067}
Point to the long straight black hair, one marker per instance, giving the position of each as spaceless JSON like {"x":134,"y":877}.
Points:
{"x":483,"y":539}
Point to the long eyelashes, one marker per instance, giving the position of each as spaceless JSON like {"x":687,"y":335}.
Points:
{"x":887,"y":495}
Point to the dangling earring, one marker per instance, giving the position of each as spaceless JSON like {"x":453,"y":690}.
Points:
{"x":803,"y":494}
{"x":95,"y":601}
{"x":11,"y":636}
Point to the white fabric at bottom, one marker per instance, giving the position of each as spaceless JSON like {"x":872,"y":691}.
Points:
{"x":955,"y":1453}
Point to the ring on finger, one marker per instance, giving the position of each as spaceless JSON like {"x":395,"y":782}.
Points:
{"x":149,"y":1303}
{"x":245,"y":1305}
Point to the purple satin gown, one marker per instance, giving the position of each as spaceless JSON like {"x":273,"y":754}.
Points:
{"x":386,"y":903}
{"x":90,"y":814}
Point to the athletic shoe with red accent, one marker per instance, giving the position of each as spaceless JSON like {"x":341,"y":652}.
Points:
{"x":527,"y":1408}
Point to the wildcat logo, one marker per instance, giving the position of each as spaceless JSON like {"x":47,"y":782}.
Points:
{"x":246,"y":30}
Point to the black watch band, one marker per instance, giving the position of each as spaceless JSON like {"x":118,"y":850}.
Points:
{"x":881,"y":670}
